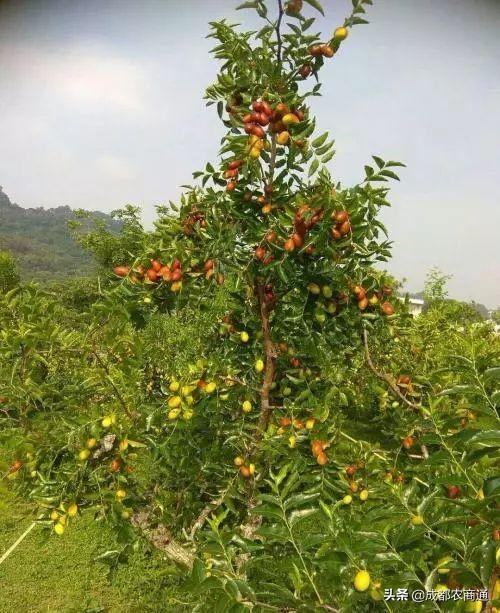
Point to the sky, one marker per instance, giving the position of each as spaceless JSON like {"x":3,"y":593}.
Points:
{"x":101,"y":104}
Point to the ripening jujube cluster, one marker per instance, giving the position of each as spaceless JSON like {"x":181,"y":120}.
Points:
{"x":186,"y":395}
{"x":99,"y":448}
{"x":305,"y":219}
{"x":173,"y":274}
{"x":307,"y":256}
{"x":255,"y":121}
{"x":158,"y":271}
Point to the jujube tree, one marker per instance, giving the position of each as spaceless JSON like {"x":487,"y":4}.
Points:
{"x":238,"y":418}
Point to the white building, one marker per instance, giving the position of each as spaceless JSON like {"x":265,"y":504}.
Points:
{"x":415,"y":306}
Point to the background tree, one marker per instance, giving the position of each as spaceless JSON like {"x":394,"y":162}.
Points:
{"x":9,"y":276}
{"x":245,"y":394}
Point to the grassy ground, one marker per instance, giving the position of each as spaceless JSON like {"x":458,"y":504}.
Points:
{"x":47,"y":573}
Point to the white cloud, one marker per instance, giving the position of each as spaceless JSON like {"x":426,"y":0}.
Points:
{"x":88,"y":78}
{"x":115,"y":167}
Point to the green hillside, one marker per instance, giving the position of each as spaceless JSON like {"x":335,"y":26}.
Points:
{"x":41,"y":242}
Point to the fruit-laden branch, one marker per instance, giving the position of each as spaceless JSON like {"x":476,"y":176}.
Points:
{"x":384,"y":377}
{"x":160,"y":537}
{"x":270,"y":361}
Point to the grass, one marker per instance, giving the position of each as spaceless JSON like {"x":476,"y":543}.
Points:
{"x":47,"y":573}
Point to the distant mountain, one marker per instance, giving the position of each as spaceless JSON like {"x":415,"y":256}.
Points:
{"x":41,"y":242}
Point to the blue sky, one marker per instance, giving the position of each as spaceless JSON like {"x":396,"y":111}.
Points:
{"x":101,"y":105}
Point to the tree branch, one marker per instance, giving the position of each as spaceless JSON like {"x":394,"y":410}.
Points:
{"x":159,"y":536}
{"x":384,"y":377}
{"x":210,"y":508}
{"x":278,"y":33}
{"x":272,"y":162}
{"x":270,"y":361}
{"x":105,"y":367}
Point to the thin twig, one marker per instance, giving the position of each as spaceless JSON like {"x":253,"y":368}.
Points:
{"x":384,"y":377}
{"x":210,"y":508}
{"x":278,"y":33}
{"x":272,"y":162}
{"x":269,"y":368}
{"x":104,"y":366}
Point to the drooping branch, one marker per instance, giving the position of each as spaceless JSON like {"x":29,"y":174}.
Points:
{"x":383,"y":377}
{"x":394,"y":389}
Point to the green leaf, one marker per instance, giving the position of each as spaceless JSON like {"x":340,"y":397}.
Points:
{"x":275,"y":532}
{"x":274,"y":500}
{"x":430,"y":581}
{"x":247,"y":5}
{"x":314,"y":167}
{"x":487,"y":562}
{"x":487,"y":438}
{"x":315,"y":4}
{"x":357,"y":21}
{"x":390,"y":174}
{"x":322,"y":150}
{"x":379,"y":161}
{"x":298,"y":515}
{"x":277,"y":591}
{"x":267,"y":511}
{"x":491,"y":486}
{"x":232,"y":589}
{"x":326,"y":510}
{"x":299,"y":500}
{"x":327,"y":157}
{"x":317,"y":142}
{"x":198,"y":573}
{"x":422,"y":507}
{"x":492,"y":373}
{"x":457,"y":389}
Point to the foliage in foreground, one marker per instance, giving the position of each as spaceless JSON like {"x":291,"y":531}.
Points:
{"x":248,"y":393}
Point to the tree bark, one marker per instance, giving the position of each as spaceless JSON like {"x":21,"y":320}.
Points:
{"x":159,"y":536}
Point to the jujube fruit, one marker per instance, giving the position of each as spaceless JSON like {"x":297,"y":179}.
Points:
{"x":151,"y":274}
{"x":83,"y":455}
{"x":387,"y":308}
{"x":340,"y":34}
{"x":362,"y":581}
{"x":408,"y":442}
{"x":121,"y":271}
{"x":305,"y":71}
{"x":322,"y":458}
